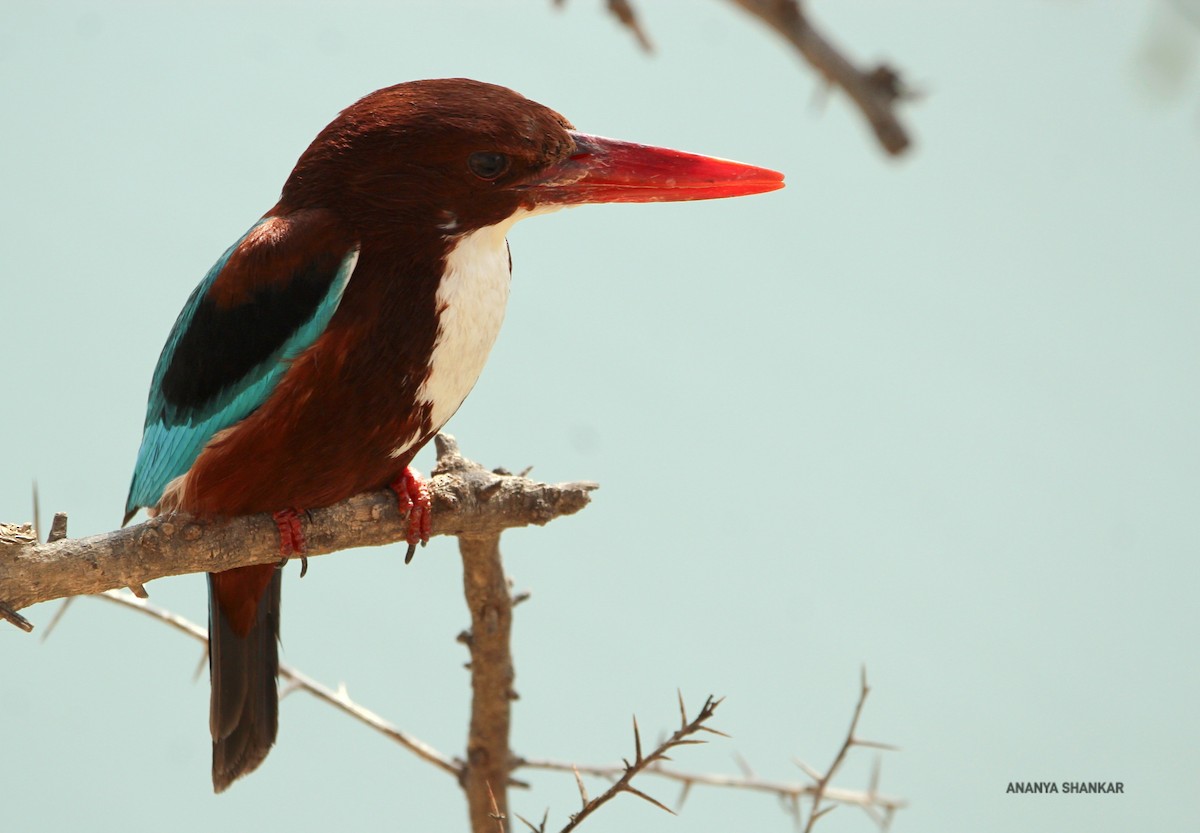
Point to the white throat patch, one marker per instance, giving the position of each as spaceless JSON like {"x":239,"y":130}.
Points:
{"x":471,"y":299}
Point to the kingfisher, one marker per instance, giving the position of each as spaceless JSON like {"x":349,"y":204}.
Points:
{"x":334,"y":339}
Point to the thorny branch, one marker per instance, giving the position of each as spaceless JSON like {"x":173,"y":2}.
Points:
{"x":821,"y":781}
{"x":880,"y":807}
{"x":176,"y":544}
{"x":876,"y":91}
{"x":479,"y":504}
{"x":789,"y":793}
{"x":681,"y":737}
{"x":297,"y":680}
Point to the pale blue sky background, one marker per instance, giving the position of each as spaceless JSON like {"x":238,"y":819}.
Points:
{"x":935,"y":416}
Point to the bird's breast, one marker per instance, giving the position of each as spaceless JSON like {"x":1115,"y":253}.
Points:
{"x":470,"y":303}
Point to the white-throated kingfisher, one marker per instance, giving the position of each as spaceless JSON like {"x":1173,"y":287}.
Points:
{"x":343,"y":330}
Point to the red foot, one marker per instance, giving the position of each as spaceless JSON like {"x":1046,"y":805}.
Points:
{"x":291,"y":536}
{"x":413,"y":500}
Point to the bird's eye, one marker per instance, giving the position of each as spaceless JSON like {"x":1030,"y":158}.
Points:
{"x":487,"y":165}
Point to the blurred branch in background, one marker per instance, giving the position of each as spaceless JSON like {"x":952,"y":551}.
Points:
{"x":1170,"y":50}
{"x":876,"y":91}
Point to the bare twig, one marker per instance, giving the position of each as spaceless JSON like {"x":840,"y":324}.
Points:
{"x":875,"y":91}
{"x":338,"y":699}
{"x":681,"y":737}
{"x":881,"y":808}
{"x":821,"y":786}
{"x":541,"y":828}
{"x":623,"y":11}
{"x":784,"y":790}
{"x":176,"y":544}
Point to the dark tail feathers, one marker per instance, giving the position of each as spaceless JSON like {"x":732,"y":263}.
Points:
{"x":244,"y":710}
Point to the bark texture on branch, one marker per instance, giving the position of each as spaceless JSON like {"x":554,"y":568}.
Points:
{"x":478,"y":502}
{"x":489,"y":600}
{"x":488,"y":759}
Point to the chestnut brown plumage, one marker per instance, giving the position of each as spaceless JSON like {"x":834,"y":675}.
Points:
{"x":334,"y":339}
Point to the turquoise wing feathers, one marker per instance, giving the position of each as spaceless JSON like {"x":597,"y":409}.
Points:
{"x":265,"y":301}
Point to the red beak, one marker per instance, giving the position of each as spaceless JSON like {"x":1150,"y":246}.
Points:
{"x":609,"y":170}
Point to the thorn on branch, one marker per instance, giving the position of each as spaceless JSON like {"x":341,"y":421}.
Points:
{"x":583,"y":795}
{"x":791,"y":794}
{"x":541,"y":828}
{"x":58,"y":615}
{"x":684,"y":792}
{"x":58,"y":528}
{"x":822,"y":781}
{"x":486,"y":492}
{"x":809,"y":771}
{"x":643,"y":762}
{"x":37,"y":514}
{"x":654,"y":801}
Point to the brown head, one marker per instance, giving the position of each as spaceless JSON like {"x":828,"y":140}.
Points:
{"x":459,"y":155}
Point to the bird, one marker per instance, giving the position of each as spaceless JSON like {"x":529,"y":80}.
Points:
{"x":334,"y":339}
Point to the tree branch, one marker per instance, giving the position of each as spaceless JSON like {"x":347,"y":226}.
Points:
{"x":471,"y":503}
{"x":880,"y":807}
{"x":875,"y":91}
{"x":821,"y":781}
{"x":623,"y":11}
{"x":295,"y":679}
{"x":480,"y":504}
{"x":681,"y":737}
{"x":788,"y":792}
{"x":489,"y":599}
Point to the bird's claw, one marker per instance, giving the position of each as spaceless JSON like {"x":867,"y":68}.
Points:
{"x":413,"y":499}
{"x":291,"y":537}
